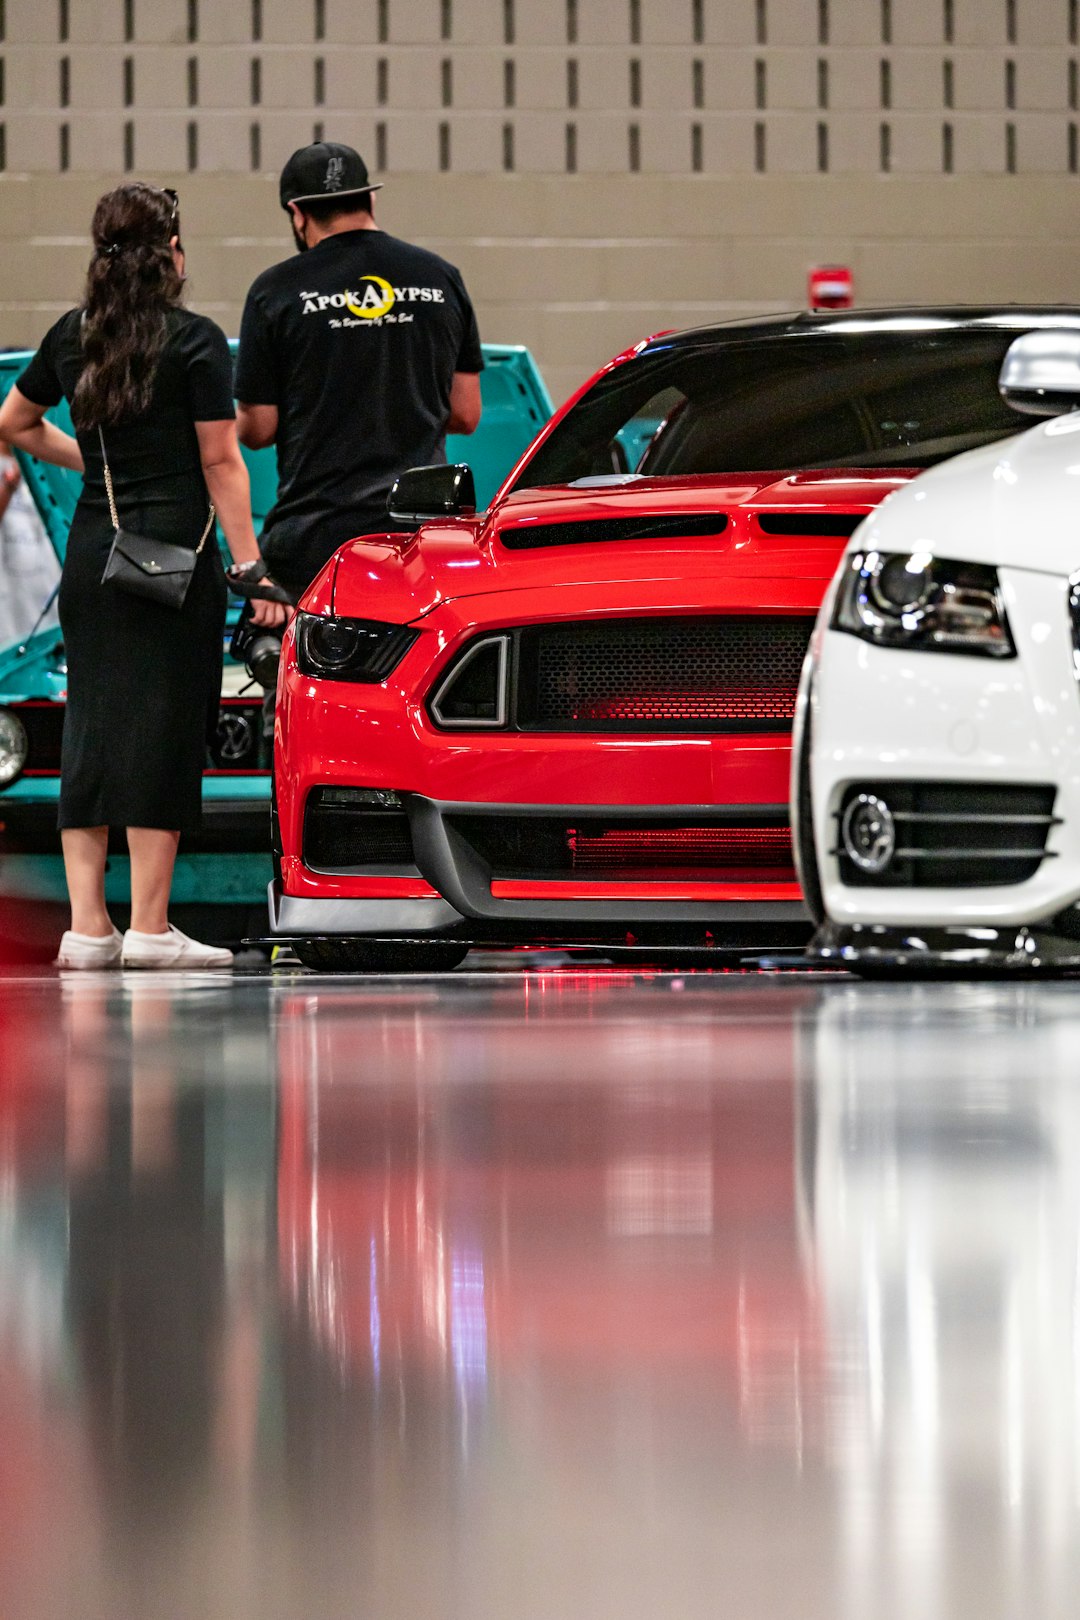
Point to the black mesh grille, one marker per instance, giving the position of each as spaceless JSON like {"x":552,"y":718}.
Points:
{"x":956,"y":835}
{"x":592,"y":847}
{"x":839,"y":524}
{"x":686,"y":674}
{"x":342,"y":834}
{"x":595,"y":531}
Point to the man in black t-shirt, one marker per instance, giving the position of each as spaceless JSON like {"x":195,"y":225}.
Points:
{"x":356,"y":359}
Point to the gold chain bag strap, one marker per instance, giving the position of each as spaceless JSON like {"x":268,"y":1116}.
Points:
{"x":151,"y":568}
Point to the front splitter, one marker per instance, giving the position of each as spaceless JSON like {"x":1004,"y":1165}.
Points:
{"x":956,"y":952}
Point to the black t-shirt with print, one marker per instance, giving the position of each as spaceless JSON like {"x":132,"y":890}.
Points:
{"x":356,"y":342}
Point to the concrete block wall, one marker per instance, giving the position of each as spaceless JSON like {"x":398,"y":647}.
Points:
{"x":237,"y":83}
{"x":578,"y":270}
{"x":598,"y":168}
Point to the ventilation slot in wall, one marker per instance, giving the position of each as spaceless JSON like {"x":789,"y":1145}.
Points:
{"x":823,"y":148}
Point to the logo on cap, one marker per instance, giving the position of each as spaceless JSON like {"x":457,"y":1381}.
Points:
{"x":335,"y":174}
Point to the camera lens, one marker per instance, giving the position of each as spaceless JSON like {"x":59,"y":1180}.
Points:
{"x":264,"y":655}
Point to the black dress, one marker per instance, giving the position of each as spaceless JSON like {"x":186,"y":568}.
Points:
{"x":143,"y":679}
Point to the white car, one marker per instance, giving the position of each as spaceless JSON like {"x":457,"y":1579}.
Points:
{"x":936,"y":766}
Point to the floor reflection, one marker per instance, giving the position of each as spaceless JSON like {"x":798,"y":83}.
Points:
{"x":562,"y":1294}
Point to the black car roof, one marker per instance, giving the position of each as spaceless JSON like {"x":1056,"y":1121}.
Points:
{"x":864,"y":322}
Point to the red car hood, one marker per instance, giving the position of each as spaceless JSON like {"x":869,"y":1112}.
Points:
{"x":402,"y":578}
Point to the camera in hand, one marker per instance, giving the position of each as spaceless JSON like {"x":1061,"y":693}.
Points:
{"x":258,"y":648}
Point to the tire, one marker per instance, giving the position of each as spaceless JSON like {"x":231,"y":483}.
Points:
{"x":375,"y":956}
{"x":927,"y":973}
{"x":878,"y":973}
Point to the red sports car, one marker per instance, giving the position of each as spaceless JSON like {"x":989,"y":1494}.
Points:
{"x":567,"y":718}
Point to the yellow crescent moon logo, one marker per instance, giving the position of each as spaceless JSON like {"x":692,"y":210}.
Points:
{"x":370,"y":311}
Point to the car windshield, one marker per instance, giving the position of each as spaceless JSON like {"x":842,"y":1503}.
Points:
{"x":784,"y":404}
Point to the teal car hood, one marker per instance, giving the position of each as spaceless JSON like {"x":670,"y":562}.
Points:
{"x":34,"y":668}
{"x":515,"y":401}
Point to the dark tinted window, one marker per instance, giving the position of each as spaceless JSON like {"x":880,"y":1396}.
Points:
{"x":786,"y":403}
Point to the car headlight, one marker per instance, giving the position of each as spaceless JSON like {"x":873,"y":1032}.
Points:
{"x":14,"y":747}
{"x":915,"y":600}
{"x":336,"y":649}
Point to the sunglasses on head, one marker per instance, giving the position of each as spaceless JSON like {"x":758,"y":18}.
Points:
{"x":174,"y":198}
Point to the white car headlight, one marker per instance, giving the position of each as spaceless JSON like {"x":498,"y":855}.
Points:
{"x":921,"y":602}
{"x":14,"y":747}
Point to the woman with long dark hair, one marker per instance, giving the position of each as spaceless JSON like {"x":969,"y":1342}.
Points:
{"x":150,"y":389}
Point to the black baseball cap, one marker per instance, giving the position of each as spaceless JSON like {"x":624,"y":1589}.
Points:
{"x":324,"y":170}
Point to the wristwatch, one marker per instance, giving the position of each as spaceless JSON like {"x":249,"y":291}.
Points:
{"x":249,"y":572}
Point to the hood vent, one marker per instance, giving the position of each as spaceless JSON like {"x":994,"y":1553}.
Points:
{"x":595,"y":531}
{"x":838,"y":525}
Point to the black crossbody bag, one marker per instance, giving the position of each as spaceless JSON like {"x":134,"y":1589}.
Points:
{"x":152,"y":568}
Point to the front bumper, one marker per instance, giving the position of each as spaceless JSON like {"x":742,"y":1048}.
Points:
{"x":452,"y":889}
{"x":382,"y":738}
{"x":887,"y":715}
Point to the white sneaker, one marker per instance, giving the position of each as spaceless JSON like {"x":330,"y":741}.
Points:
{"x":89,"y":950}
{"x":171,"y":950}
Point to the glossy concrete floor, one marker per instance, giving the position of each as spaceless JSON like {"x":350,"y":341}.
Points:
{"x":564,"y":1295}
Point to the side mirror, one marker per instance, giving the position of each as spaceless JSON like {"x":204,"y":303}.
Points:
{"x":1040,"y":375}
{"x":433,"y":492}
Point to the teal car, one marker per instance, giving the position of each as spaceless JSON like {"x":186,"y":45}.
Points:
{"x":222,"y":874}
